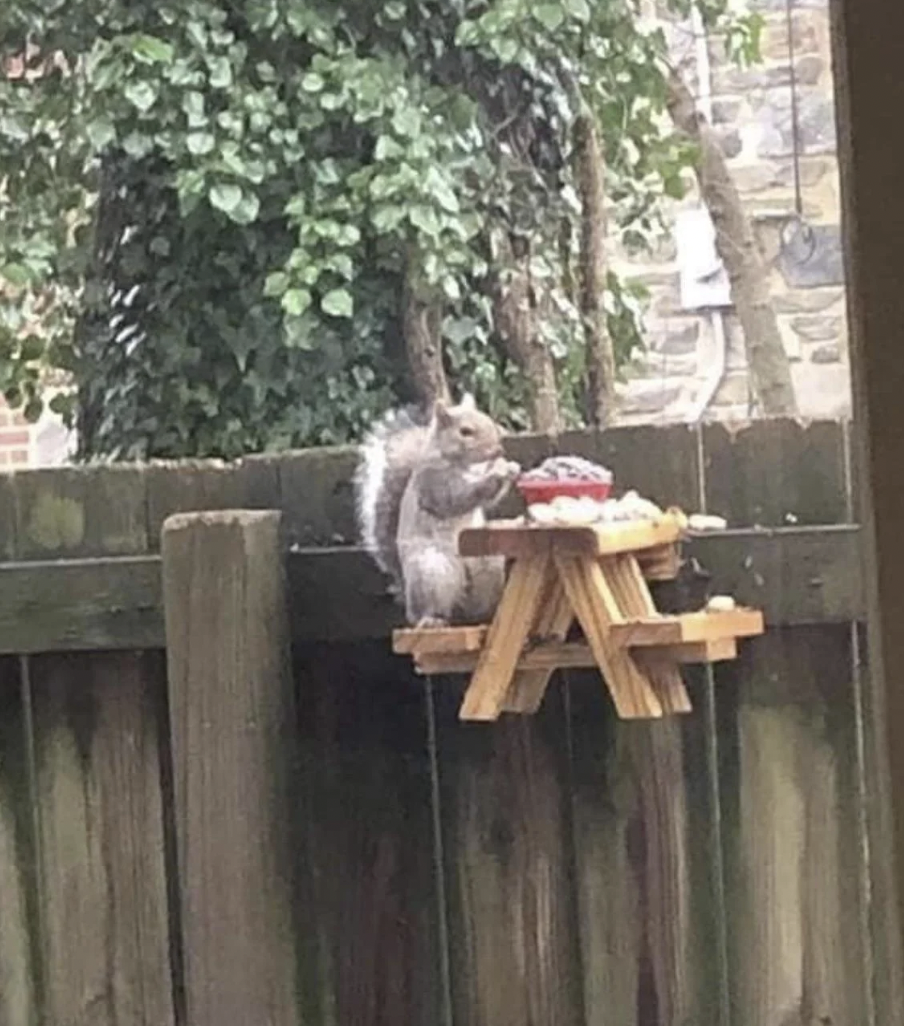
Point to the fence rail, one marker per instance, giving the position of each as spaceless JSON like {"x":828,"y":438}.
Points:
{"x":183,"y":841}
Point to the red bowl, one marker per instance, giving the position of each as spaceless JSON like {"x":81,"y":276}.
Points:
{"x":546,"y":491}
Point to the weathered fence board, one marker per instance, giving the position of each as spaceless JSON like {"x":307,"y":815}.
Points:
{"x":368,"y":917}
{"x":794,"y":848}
{"x":359,"y":856}
{"x":18,"y":884}
{"x":645,"y":825}
{"x":796,"y":575}
{"x":101,"y":860}
{"x":776,"y":473}
{"x":514,"y":943}
{"x":231,"y":725}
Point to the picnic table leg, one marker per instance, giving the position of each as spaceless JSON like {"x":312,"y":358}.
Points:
{"x":554,"y":619}
{"x":596,"y":608}
{"x":634,"y":598}
{"x":510,"y":629}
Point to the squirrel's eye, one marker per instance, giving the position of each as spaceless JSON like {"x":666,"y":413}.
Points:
{"x":466,"y":432}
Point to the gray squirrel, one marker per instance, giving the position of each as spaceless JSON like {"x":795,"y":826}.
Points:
{"x":419,"y":482}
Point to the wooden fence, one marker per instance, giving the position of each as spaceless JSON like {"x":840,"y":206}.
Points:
{"x":275,"y":822}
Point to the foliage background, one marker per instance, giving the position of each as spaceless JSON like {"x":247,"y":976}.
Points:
{"x":211,"y":210}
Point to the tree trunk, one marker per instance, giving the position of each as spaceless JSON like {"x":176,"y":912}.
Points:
{"x":589,"y":176}
{"x":736,"y":244}
{"x":422,"y":326}
{"x":515,"y":314}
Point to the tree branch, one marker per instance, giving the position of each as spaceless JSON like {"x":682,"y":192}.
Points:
{"x":422,"y":326}
{"x":515,"y":316}
{"x":590,"y":179}
{"x":736,"y":244}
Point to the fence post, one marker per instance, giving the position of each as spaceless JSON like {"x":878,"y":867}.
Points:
{"x":232,"y":728}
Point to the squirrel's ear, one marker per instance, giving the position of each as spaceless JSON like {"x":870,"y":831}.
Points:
{"x":442,"y":415}
{"x":467,"y":402}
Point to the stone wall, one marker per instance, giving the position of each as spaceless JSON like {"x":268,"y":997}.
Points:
{"x":752,"y":114}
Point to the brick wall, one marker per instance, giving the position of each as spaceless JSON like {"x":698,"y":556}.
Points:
{"x":16,"y":438}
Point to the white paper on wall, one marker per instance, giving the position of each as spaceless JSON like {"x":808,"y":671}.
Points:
{"x":704,"y":281}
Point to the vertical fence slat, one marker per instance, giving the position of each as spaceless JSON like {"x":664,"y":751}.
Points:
{"x":369,"y":922}
{"x":792,"y":827}
{"x":231,"y":734}
{"x":644,"y":819}
{"x":505,"y":818}
{"x":106,"y":945}
{"x":788,"y":755}
{"x":18,"y":998}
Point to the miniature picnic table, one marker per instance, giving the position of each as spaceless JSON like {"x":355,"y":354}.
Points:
{"x":597,"y":575}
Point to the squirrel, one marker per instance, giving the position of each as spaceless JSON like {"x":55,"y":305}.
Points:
{"x":419,"y":482}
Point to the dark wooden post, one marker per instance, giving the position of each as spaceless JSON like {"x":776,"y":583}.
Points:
{"x":232,"y":732}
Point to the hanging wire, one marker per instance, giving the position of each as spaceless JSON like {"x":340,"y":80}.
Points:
{"x":797,"y":234}
{"x":795,"y":110}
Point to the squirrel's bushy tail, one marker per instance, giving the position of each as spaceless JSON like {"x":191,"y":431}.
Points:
{"x":389,"y":454}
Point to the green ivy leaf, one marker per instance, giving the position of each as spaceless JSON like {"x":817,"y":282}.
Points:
{"x":550,"y":15}
{"x":226,"y":197}
{"x":141,"y":93}
{"x":220,"y":72}
{"x":296,"y":301}
{"x":579,"y":9}
{"x":100,"y":132}
{"x":338,"y":303}
{"x":16,"y":274}
{"x":276,"y":283}
{"x":312,"y":82}
{"x":151,"y":50}
{"x":200,"y":143}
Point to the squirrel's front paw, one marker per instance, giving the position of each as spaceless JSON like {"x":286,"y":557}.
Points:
{"x":508,"y":470}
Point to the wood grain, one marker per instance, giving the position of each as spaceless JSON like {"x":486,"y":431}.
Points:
{"x":796,"y":576}
{"x":596,"y":610}
{"x":19,"y":935}
{"x":517,"y":540}
{"x":512,"y":625}
{"x":106,"y":941}
{"x":231,"y":723}
{"x":504,"y":810}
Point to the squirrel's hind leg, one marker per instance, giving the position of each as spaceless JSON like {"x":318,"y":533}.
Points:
{"x":486,"y":580}
{"x":435,"y":581}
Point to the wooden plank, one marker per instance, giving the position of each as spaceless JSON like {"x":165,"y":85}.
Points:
{"x":646,"y":880}
{"x":660,"y":462}
{"x":372,"y":941}
{"x":705,"y":625}
{"x":553,"y":621}
{"x":796,"y":576}
{"x":776,"y":473}
{"x":504,"y":814}
{"x":186,"y":486}
{"x":98,"y":722}
{"x":18,"y":884}
{"x":547,"y":657}
{"x":510,"y":629}
{"x":596,"y":611}
{"x":7,"y":516}
{"x":634,"y":598}
{"x":317,"y":495}
{"x":231,"y":723}
{"x":67,"y":512}
{"x":660,"y":563}
{"x":80,"y":605}
{"x":515,"y":539}
{"x":793,"y":845}
{"x":419,"y":641}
